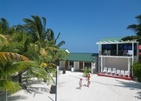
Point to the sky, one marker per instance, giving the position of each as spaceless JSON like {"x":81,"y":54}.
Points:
{"x":81,"y":23}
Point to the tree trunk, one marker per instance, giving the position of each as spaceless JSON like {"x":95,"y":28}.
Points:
{"x":6,"y":95}
{"x":20,"y":78}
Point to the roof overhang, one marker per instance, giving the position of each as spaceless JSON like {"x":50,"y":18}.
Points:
{"x":116,"y":42}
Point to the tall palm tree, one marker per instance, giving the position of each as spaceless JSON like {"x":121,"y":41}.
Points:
{"x":36,"y":27}
{"x":52,"y":40}
{"x":44,"y":38}
{"x":4,"y":27}
{"x":3,"y":40}
{"x":43,"y":48}
{"x":53,"y":47}
{"x":11,"y":63}
{"x":136,"y":28}
{"x":20,"y":43}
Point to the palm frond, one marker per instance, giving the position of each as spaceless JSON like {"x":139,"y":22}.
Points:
{"x":130,"y":38}
{"x":10,"y":86}
{"x":19,"y":67}
{"x":39,"y":73}
{"x":61,"y":43}
{"x":50,"y":34}
{"x":3,"y":40}
{"x":5,"y":24}
{"x":44,"y":22}
{"x":57,"y":37}
{"x":136,"y":27}
{"x":133,"y":27}
{"x":9,"y":56}
{"x":138,"y":18}
{"x":39,"y":26}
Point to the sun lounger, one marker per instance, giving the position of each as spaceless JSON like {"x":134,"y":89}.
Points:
{"x":118,"y":72}
{"x":126,"y":73}
{"x":105,"y":70}
{"x":122,"y":73}
{"x":109,"y":71}
{"x":113,"y":71}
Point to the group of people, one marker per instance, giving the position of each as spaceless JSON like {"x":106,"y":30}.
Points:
{"x":88,"y":81}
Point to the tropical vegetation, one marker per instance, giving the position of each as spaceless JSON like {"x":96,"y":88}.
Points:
{"x":137,"y":70}
{"x":86,"y":71}
{"x":26,"y":51}
{"x":137,"y":29}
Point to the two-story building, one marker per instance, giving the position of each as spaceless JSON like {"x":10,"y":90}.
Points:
{"x":117,"y":56}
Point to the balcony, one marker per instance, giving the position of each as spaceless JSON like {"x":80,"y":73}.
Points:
{"x":116,"y":53}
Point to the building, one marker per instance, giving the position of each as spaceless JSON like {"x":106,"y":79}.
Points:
{"x":79,"y":61}
{"x":139,"y":53}
{"x":118,"y":55}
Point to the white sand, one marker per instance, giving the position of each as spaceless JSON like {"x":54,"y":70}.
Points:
{"x":101,"y":89}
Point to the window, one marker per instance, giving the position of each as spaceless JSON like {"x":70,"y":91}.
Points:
{"x":88,"y":65}
{"x":109,"y":47}
{"x":71,"y":63}
{"x":127,"y":46}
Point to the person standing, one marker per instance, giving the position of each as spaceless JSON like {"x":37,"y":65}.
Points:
{"x":80,"y":83}
{"x":88,"y":79}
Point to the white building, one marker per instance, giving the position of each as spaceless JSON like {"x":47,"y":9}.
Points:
{"x":118,"y":54}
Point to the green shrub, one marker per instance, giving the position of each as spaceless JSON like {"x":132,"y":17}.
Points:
{"x":86,"y":71}
{"x":137,"y":70}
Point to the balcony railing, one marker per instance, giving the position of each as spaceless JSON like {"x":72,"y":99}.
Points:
{"x":116,"y":53}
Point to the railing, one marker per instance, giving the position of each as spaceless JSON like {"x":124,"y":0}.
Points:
{"x":116,"y":53}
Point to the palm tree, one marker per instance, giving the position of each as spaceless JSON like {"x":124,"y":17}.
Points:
{"x":3,"y":40}
{"x":20,"y":43}
{"x":54,"y":48}
{"x":52,"y":40}
{"x":42,"y":48}
{"x":44,"y":39}
{"x":36,"y":27}
{"x":4,"y":27}
{"x":11,"y":63}
{"x":136,"y":28}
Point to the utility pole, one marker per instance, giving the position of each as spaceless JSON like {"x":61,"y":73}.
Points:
{"x":56,"y":81}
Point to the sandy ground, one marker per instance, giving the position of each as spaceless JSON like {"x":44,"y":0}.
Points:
{"x":101,"y":89}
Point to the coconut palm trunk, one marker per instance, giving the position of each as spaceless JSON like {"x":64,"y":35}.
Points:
{"x":20,"y":77}
{"x":6,"y":98}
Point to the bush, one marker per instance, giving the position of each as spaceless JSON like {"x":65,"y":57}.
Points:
{"x":86,"y":71}
{"x":137,"y":70}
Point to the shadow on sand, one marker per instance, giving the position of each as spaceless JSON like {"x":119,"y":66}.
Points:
{"x":29,"y":90}
{"x":11,"y":98}
{"x":32,"y":89}
{"x":16,"y":97}
{"x":133,"y":86}
{"x":37,"y":90}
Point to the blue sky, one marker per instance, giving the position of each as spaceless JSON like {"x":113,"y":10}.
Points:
{"x":81,"y":22}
